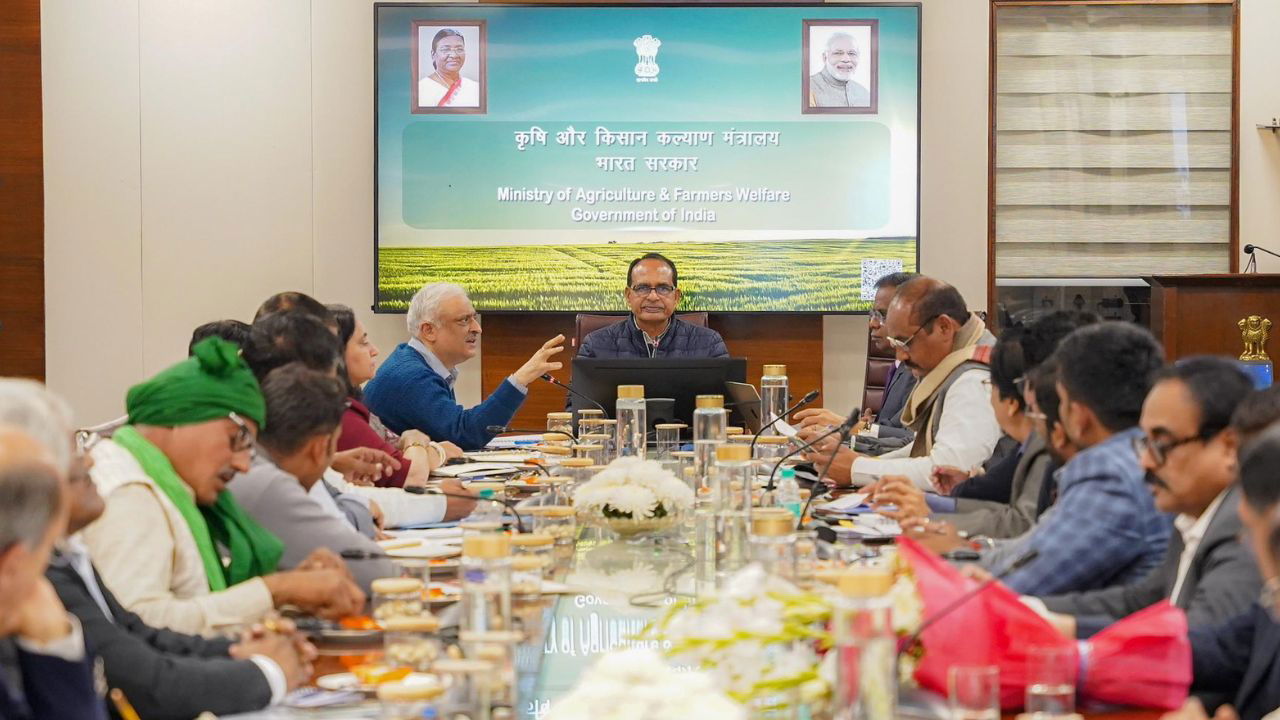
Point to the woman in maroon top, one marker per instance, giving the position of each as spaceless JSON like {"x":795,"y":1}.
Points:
{"x":415,"y":452}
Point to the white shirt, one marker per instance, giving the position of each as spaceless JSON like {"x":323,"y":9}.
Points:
{"x":399,"y":508}
{"x":430,"y":93}
{"x":967,"y":434}
{"x":1192,"y":531}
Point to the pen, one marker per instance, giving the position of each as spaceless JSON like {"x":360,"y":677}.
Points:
{"x":122,"y":705}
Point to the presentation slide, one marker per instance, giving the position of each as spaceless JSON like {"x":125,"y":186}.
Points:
{"x":530,"y":153}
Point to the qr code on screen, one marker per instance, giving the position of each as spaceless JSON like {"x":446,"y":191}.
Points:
{"x":872,"y":271}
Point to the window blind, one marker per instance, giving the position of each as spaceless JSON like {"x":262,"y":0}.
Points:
{"x":1112,"y":140}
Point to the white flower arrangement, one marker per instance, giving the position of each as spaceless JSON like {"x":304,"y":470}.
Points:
{"x":637,"y":684}
{"x":764,"y":641}
{"x":757,"y":639}
{"x":635,"y":489}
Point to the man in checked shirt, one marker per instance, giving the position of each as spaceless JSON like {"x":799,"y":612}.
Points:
{"x":1104,"y":529}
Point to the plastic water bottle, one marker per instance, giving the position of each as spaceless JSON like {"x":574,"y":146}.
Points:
{"x":709,"y":432}
{"x":632,"y":421}
{"x":789,"y":492}
{"x":773,"y":397}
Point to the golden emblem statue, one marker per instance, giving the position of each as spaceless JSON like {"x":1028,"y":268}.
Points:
{"x":1254,"y":331}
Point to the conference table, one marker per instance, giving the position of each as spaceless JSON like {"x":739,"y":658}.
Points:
{"x":616,"y":588}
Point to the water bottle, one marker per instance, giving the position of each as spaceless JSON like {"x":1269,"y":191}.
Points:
{"x":773,"y":397}
{"x":734,"y":478}
{"x":632,"y":421}
{"x":866,"y":647}
{"x":789,"y":492}
{"x":485,"y":570}
{"x":709,"y":423}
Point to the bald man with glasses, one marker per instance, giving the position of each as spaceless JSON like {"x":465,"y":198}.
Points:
{"x":652,"y":331}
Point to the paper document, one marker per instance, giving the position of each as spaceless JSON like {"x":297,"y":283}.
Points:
{"x":475,"y":469}
{"x":844,"y":503}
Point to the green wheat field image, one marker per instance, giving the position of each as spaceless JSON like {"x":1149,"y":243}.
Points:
{"x":783,"y":276}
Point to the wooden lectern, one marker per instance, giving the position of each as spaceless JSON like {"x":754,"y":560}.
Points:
{"x":1199,"y":314}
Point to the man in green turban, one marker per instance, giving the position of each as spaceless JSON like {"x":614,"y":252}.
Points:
{"x":169,"y":520}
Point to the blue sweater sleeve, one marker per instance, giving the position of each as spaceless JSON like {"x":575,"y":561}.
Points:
{"x":410,"y":397}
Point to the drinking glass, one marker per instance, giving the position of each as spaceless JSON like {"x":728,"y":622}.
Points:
{"x":974,"y":692}
{"x":1051,"y":680}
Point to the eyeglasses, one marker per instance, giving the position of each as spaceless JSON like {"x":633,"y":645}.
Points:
{"x":875,"y":316}
{"x":663,"y":290}
{"x":1160,"y":449}
{"x":244,"y":438}
{"x":450,"y":50}
{"x":905,"y":345}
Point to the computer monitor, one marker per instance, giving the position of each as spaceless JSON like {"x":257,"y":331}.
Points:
{"x":679,"y":379}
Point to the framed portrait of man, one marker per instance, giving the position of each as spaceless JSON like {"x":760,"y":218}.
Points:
{"x":841,"y":66}
{"x":449,"y":74}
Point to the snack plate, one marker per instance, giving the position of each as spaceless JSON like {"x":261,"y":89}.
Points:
{"x":349,"y":681}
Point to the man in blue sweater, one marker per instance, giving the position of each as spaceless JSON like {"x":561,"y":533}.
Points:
{"x":414,"y":387}
{"x":651,"y":331}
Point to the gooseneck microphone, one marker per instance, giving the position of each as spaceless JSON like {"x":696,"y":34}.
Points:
{"x":1249,"y":250}
{"x":1018,"y":564}
{"x":808,"y":398}
{"x":503,"y":429}
{"x":507,"y":505}
{"x":807,"y":446}
{"x":570,"y":390}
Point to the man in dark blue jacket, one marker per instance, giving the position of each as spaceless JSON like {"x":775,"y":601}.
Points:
{"x":651,"y":331}
{"x":413,"y":389}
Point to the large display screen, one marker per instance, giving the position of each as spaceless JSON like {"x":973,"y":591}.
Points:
{"x":531,"y":152}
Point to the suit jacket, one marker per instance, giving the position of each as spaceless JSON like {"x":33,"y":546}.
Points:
{"x":1016,"y":515}
{"x":1238,"y":662}
{"x":895,"y":401}
{"x":278,"y":502}
{"x":164,"y":674}
{"x":995,"y":485}
{"x":44,"y":687}
{"x":1221,"y":581}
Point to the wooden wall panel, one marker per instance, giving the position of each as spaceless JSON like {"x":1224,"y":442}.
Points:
{"x":1197,"y":315}
{"x":21,"y":192}
{"x":509,"y":340}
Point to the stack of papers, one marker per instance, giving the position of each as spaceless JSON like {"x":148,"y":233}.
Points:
{"x":476,"y":469}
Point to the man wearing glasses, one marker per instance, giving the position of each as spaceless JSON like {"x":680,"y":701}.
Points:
{"x":1188,"y":448}
{"x":414,"y":388}
{"x":947,"y":348}
{"x":652,"y":331}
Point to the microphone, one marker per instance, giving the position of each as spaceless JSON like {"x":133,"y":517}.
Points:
{"x":503,"y":429}
{"x":807,"y":446}
{"x":815,"y":491}
{"x":566,"y":388}
{"x":808,"y":398}
{"x":507,"y":505}
{"x":1249,"y":250}
{"x":1018,"y":564}
{"x":845,"y":428}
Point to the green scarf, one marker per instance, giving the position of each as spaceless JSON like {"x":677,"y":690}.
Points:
{"x":254,"y":550}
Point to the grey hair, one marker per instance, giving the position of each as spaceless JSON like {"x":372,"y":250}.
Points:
{"x":852,"y":40}
{"x":425,"y":305}
{"x":30,"y":495}
{"x":37,"y":411}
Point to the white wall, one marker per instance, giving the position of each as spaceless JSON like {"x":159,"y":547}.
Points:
{"x":200,"y":156}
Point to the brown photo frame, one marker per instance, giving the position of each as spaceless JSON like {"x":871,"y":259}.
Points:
{"x":416,"y":53}
{"x":873,"y":51}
